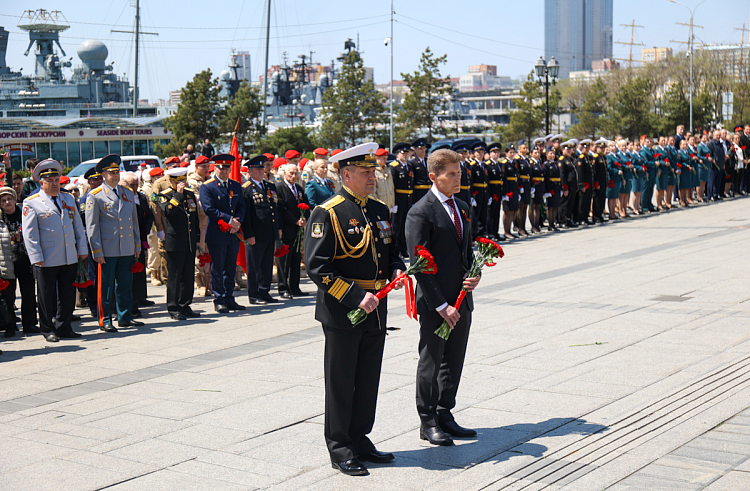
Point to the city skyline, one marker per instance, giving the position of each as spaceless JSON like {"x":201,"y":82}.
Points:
{"x":194,"y":38}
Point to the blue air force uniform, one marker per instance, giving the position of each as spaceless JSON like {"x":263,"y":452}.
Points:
{"x":112,"y":228}
{"x":222,"y":201}
{"x":54,"y":238}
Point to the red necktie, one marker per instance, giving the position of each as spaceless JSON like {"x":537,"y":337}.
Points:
{"x":456,"y":220}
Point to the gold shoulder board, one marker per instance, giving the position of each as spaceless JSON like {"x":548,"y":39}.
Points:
{"x":97,"y":190}
{"x":333,"y":201}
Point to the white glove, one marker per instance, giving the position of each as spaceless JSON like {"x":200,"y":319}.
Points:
{"x":505,"y":198}
{"x":489,"y":201}
{"x":546,"y":195}
{"x":161,"y":235}
{"x":533,"y":192}
{"x":520,"y":190}
{"x":473,"y":202}
{"x":394,"y":209}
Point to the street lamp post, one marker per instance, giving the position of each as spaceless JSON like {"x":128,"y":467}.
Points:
{"x":690,"y":37}
{"x":547,"y":74}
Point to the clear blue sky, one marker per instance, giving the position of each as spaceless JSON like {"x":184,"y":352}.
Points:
{"x":196,"y":35}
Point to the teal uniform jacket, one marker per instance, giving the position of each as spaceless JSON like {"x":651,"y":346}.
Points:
{"x":674,"y":158}
{"x":614,"y":173}
{"x":695,"y":164}
{"x":647,"y":159}
{"x":684,"y":178}
{"x":705,"y":167}
{"x":51,"y":235}
{"x":627,"y":172}
{"x":317,"y":191}
{"x":662,"y":169}
{"x":112,"y":222}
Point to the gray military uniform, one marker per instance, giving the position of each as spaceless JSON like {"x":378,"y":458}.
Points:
{"x":112,"y":222}
{"x":51,"y":235}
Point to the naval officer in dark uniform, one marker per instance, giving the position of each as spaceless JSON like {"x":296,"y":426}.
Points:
{"x":180,"y":209}
{"x":462,"y":148}
{"x":403,"y":184}
{"x":221,"y":199}
{"x":418,"y":165}
{"x":350,"y":254}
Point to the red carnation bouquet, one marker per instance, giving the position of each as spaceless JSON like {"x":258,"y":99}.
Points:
{"x":82,"y":276}
{"x":425,"y":263}
{"x":136,"y":267}
{"x":611,"y":184}
{"x":302,"y":207}
{"x":4,"y":284}
{"x":281,"y":249}
{"x":204,"y":258}
{"x":226,"y":228}
{"x":487,"y":251}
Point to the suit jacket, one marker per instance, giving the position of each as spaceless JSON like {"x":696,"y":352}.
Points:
{"x":51,"y":235}
{"x":112,"y":222}
{"x":429,"y":225}
{"x":262,"y":219}
{"x":718,"y":153}
{"x":145,"y":216}
{"x":221,"y":203}
{"x":318,"y":193}
{"x":289,"y":212}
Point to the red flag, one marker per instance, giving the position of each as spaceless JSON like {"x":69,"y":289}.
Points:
{"x":235,"y":175}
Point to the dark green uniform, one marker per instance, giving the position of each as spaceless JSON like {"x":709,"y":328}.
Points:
{"x":180,"y":211}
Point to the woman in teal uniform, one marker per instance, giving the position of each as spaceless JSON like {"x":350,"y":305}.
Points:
{"x":662,"y":172}
{"x":614,"y":174}
{"x":319,"y":188}
{"x":627,"y":176}
{"x":639,"y":175}
{"x":703,"y":168}
{"x":692,"y":152}
{"x":684,"y":173}
{"x":674,"y":158}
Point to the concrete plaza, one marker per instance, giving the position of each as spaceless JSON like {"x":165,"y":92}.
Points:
{"x":612,"y":357}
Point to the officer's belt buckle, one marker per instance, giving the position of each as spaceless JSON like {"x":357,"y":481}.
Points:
{"x":374,"y":285}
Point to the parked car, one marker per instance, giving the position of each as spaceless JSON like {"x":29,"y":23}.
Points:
{"x":130,"y":163}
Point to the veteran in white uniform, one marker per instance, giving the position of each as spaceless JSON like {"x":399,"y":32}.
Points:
{"x":55,"y":240}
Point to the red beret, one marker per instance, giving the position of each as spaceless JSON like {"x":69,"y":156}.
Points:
{"x":320,"y":151}
{"x":211,"y":167}
{"x":171,"y":160}
{"x":336,"y":152}
{"x":303,"y":163}
{"x":243,"y":169}
{"x":278,"y":162}
{"x":380,"y":152}
{"x":202,"y":159}
{"x":291,"y":154}
{"x":156,"y":171}
{"x":143,"y":164}
{"x":185,"y":164}
{"x":63,"y":179}
{"x":269,"y":156}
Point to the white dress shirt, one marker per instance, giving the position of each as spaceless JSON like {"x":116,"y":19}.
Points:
{"x":444,"y":201}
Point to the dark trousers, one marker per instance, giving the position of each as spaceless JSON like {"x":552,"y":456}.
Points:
{"x":481,"y":216}
{"x":572,"y":208}
{"x":647,"y":195}
{"x":440,"y":365}
{"x":117,"y":282}
{"x":493,"y":217}
{"x":600,"y":198}
{"x":91,"y":291}
{"x":7,"y":297}
{"x":223,"y":268}
{"x":403,"y":202}
{"x":139,"y":282}
{"x":55,"y":283}
{"x":562,"y":212}
{"x":352,"y":363}
{"x":25,"y":278}
{"x":584,"y":205}
{"x":260,"y":268}
{"x":181,"y":281}
{"x":288,"y":270}
{"x":715,"y":181}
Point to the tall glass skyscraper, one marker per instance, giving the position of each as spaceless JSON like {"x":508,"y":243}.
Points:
{"x":577,"y":32}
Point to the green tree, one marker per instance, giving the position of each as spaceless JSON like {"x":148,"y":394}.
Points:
{"x":428,"y":91}
{"x":528,"y":117}
{"x":629,"y":109}
{"x":352,"y":109}
{"x":245,"y":107}
{"x":299,"y":138}
{"x":196,"y":117}
{"x":591,"y":109}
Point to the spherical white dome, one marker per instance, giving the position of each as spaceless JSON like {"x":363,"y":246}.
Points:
{"x":225,"y":75}
{"x":92,"y":50}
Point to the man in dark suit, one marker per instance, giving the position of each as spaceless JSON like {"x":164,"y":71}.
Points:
{"x":291,"y":196}
{"x":439,"y":222}
{"x":716,"y":176}
{"x":261,"y":228}
{"x":221,"y":199}
{"x":350,"y":254}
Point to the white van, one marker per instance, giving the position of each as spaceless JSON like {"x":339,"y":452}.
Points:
{"x":130,"y":163}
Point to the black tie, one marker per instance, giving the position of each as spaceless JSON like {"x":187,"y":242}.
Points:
{"x":54,"y":200}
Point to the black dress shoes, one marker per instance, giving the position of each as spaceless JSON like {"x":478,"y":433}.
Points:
{"x":377,"y":457}
{"x":51,"y":337}
{"x":31,"y":330}
{"x":286,"y":296}
{"x":108,"y":328}
{"x":452,"y":428}
{"x":147,"y":303}
{"x":69,"y":335}
{"x":190,"y":314}
{"x":300,"y":293}
{"x":221,"y":308}
{"x":235,"y":306}
{"x":435,"y":435}
{"x":270,"y":299}
{"x":130,"y":323}
{"x":178,"y":316}
{"x":351,"y":467}
{"x":74,"y":318}
{"x":136,"y":313}
{"x":257,"y":301}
